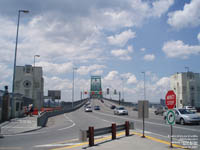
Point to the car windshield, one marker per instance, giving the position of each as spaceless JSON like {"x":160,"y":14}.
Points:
{"x":185,"y":111}
{"x":121,"y":108}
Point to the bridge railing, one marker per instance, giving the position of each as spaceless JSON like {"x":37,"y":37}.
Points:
{"x":128,"y":104}
{"x":113,"y":129}
{"x":43,"y":118}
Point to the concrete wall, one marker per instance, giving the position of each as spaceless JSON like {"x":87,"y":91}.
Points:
{"x":42,"y":120}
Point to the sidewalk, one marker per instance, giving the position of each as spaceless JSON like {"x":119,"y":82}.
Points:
{"x":134,"y":141}
{"x":19,"y":125}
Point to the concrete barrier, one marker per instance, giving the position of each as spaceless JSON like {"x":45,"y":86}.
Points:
{"x":43,"y":118}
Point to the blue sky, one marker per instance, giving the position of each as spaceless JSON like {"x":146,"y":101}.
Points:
{"x":114,"y":39}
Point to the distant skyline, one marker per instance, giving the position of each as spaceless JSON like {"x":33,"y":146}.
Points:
{"x":114,"y":39}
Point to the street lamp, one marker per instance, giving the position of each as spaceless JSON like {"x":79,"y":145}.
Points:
{"x":14,"y":69}
{"x":122,"y":88}
{"x":144,"y":86}
{"x":34,"y":59}
{"x":73,"y":88}
{"x":39,"y":107}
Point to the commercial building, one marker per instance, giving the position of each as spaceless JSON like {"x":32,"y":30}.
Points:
{"x":29,"y":82}
{"x":186,"y":86}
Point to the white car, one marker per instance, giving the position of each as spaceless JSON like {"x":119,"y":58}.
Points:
{"x":192,"y":109}
{"x":185,"y":116}
{"x":88,"y":109}
{"x":120,"y":111}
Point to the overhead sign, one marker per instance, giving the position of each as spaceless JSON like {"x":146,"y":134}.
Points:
{"x":170,"y":99}
{"x":170,"y":117}
{"x":55,"y":94}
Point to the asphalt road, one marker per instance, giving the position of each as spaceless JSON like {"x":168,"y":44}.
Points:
{"x":64,"y":129}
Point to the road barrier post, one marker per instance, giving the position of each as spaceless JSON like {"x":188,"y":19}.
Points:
{"x":83,"y":135}
{"x":127,"y":128}
{"x":91,"y":136}
{"x":113,"y":131}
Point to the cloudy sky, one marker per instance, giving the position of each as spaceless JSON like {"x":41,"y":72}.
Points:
{"x":116,"y":39}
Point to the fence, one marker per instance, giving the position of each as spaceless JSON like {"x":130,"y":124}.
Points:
{"x":42,"y":120}
{"x":91,"y":132}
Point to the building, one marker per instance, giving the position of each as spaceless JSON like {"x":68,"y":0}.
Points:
{"x":29,"y":82}
{"x":186,"y":86}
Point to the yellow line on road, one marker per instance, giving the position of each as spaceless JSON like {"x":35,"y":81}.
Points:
{"x":119,"y":134}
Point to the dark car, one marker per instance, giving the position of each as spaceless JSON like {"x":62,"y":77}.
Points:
{"x":96,"y":107}
{"x":112,"y":107}
{"x":159,"y":111}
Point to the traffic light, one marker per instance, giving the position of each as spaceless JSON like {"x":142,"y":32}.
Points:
{"x":107,"y":91}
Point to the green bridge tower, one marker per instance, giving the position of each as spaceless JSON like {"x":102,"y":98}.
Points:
{"x":95,"y":87}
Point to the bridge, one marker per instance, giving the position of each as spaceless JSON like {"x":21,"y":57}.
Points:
{"x":95,"y":87}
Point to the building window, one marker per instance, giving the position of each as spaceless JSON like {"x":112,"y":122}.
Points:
{"x":192,"y":88}
{"x":21,"y":106}
{"x":28,"y":68}
{"x":17,"y":106}
{"x":27,"y":84}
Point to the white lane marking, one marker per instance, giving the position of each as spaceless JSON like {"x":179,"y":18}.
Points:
{"x":68,"y":119}
{"x":147,"y":122}
{"x":56,"y":145}
{"x":100,"y":119}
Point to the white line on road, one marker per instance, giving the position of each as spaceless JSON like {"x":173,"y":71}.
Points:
{"x":68,"y":119}
{"x":147,"y":122}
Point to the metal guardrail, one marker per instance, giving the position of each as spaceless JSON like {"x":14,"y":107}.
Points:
{"x":91,"y":132}
{"x":42,"y":120}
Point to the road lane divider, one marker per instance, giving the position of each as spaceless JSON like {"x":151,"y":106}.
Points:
{"x":68,"y":119}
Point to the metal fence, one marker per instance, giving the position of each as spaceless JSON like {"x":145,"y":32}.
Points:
{"x":91,"y":132}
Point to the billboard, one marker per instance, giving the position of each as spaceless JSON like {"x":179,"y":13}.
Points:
{"x":54,"y":94}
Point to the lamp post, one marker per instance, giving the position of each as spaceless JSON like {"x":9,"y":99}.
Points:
{"x":144,"y":86}
{"x":122,"y":88}
{"x":39,"y":107}
{"x":14,"y":69}
{"x":73,"y":88}
{"x":34,"y":59}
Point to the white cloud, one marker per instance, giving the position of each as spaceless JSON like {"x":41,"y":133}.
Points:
{"x":161,"y":6}
{"x":97,"y":72}
{"x":123,"y":54}
{"x":149,"y":57}
{"x":198,"y":37}
{"x":177,"y":49}
{"x":143,"y":49}
{"x":189,"y":16}
{"x":131,"y":78}
{"x":55,"y":69}
{"x":122,"y":38}
{"x":84,"y":70}
{"x":111,"y":75}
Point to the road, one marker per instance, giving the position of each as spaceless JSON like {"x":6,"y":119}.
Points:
{"x":64,"y":129}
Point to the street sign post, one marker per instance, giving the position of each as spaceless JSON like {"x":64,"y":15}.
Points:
{"x":170,"y":101}
{"x":170,"y":117}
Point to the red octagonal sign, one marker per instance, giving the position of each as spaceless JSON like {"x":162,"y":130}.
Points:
{"x":170,"y":99}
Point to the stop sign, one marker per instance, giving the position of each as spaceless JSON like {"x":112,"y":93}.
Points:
{"x":170,"y":99}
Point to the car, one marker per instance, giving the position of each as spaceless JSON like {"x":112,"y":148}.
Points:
{"x":159,"y":111}
{"x":192,"y":109}
{"x":135,"y":108}
{"x":88,"y":109}
{"x":102,"y":101}
{"x":185,"y":116}
{"x":112,"y":107}
{"x":120,"y":111}
{"x":96,"y":107}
